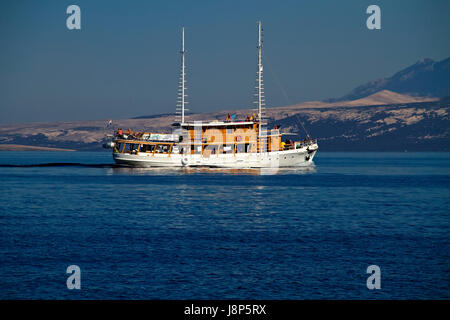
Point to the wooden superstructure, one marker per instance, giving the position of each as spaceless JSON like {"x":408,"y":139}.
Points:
{"x":212,"y":138}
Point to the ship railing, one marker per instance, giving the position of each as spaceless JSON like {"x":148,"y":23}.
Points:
{"x":300,"y":144}
{"x":139,"y":138}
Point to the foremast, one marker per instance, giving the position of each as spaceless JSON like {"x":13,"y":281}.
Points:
{"x":181,"y":100}
{"x":260,"y":99}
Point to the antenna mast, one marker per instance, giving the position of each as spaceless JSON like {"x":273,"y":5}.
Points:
{"x":181,"y":102}
{"x":259,"y":84}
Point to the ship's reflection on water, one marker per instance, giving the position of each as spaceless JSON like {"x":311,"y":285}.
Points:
{"x":307,"y":169}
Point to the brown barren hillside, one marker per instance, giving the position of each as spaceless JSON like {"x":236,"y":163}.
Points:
{"x":318,"y":116}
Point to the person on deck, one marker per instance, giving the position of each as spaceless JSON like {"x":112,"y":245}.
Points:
{"x":289,"y":143}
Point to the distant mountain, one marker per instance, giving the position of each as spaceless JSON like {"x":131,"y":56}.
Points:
{"x":426,"y":78}
{"x":382,"y":120}
{"x":385,"y":97}
{"x":419,"y":126}
{"x":152,"y":116}
{"x":375,"y":125}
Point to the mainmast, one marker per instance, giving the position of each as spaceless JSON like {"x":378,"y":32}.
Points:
{"x":181,"y":102}
{"x":259,"y":84}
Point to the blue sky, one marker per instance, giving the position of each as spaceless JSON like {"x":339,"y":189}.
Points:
{"x":124,"y":62}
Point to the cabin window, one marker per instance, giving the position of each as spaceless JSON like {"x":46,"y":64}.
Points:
{"x":228,"y":149}
{"x":147,"y":147}
{"x":162,"y":148}
{"x":131,"y":147}
{"x":118,"y":147}
{"x":210,"y":149}
{"x":240,"y":148}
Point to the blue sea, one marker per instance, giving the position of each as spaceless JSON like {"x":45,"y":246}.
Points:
{"x":308,"y":233}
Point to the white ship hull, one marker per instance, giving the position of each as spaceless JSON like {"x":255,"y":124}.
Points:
{"x":288,"y":158}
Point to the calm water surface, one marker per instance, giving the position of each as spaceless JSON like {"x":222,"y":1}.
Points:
{"x":219,"y":234}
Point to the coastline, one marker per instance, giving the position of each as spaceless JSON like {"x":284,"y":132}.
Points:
{"x":20,"y":147}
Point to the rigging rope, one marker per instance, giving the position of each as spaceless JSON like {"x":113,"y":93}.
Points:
{"x":283,"y":91}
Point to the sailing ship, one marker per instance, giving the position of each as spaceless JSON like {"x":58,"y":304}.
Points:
{"x":224,"y":144}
